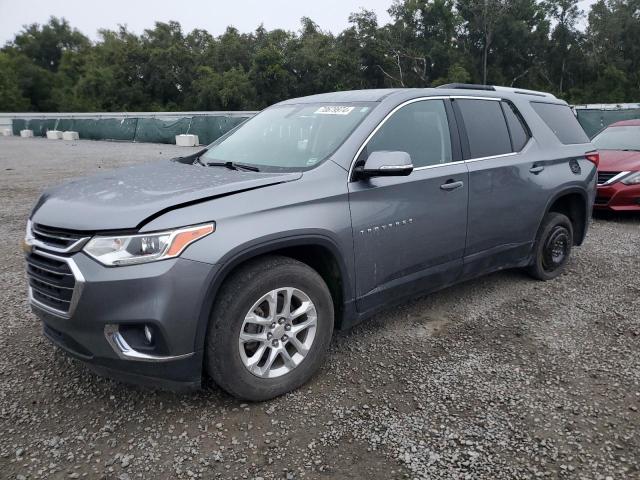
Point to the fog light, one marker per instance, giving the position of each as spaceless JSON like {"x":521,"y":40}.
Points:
{"x":147,"y":334}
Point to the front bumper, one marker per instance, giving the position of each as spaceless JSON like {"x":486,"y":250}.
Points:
{"x":618,"y":197}
{"x":110,"y":303}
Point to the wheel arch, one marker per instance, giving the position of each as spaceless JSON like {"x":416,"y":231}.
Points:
{"x":317,"y":251}
{"x":573,"y":203}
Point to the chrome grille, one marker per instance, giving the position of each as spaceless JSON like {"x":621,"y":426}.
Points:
{"x":53,"y":283}
{"x":57,"y":239}
{"x":604,"y":177}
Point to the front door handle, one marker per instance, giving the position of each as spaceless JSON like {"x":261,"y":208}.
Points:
{"x":451,"y":185}
{"x":536,"y":169}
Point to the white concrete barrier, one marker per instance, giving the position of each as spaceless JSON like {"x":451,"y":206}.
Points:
{"x":7,"y":132}
{"x":54,"y":135}
{"x":70,"y":135}
{"x":185,"y":140}
{"x":26,"y":133}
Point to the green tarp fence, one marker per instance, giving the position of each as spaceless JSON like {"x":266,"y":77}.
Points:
{"x":593,"y":119}
{"x":209,"y":129}
{"x":39,"y":126}
{"x":155,"y":130}
{"x":161,"y":129}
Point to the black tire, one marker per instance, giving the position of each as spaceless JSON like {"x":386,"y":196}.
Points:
{"x":552,"y":247}
{"x":236,"y":297}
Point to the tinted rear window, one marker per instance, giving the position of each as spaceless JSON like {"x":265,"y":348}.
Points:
{"x":486,"y":127}
{"x":562,"y":122}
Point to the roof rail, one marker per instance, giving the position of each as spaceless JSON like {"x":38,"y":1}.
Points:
{"x":494,"y":88}
{"x":524,"y":91}
{"x":468,"y":86}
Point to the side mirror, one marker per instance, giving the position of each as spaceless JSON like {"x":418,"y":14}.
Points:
{"x":386,"y":164}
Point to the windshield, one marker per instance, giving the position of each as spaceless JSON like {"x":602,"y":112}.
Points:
{"x":618,"y":138}
{"x":289,"y":137}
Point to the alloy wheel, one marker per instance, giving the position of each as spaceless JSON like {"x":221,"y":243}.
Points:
{"x":277,"y":332}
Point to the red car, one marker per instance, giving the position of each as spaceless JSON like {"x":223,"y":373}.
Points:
{"x":619,"y":168}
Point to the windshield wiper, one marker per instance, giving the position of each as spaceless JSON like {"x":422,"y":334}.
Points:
{"x":234,"y":166}
{"x":192,"y":158}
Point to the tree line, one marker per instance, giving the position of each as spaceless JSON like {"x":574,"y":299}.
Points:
{"x":551,"y":45}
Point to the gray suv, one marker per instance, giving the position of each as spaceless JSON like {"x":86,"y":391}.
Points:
{"x":240,"y":260}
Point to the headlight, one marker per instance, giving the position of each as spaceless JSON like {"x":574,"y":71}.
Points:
{"x":633,"y":179}
{"x":146,"y":247}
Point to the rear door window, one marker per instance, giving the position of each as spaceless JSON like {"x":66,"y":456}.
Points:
{"x":517,"y":128}
{"x":562,"y":122}
{"x":486,"y":127}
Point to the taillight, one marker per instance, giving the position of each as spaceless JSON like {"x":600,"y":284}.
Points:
{"x":593,"y":157}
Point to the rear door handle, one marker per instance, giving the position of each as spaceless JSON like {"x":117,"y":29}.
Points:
{"x":451,"y":185}
{"x":536,"y":169}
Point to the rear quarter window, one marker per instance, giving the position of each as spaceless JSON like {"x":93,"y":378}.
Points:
{"x":517,"y":128}
{"x":562,"y":122}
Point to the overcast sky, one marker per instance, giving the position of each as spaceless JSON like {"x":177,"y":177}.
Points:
{"x":213,"y":15}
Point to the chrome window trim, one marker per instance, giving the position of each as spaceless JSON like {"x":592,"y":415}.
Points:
{"x":421,"y":99}
{"x":77,"y":289}
{"x":426,"y":167}
{"x":397,"y":167}
{"x":478,"y":159}
{"x":491,"y":157}
{"x":124,"y":351}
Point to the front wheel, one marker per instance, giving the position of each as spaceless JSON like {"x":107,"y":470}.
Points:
{"x":270,"y":328}
{"x":553,"y":247}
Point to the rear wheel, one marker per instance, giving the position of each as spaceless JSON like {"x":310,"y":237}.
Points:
{"x":553,"y":247}
{"x":269,"y":329}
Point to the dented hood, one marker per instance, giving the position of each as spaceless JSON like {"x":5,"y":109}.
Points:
{"x":125,"y":198}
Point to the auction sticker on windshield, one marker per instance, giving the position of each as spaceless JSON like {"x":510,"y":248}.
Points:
{"x":334,"y":110}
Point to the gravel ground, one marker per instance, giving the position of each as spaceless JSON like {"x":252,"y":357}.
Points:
{"x":498,"y":378}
